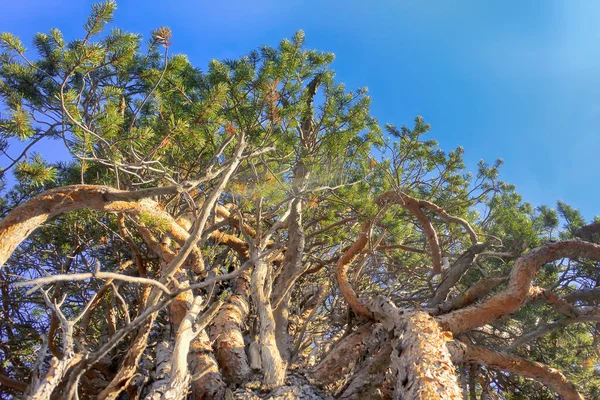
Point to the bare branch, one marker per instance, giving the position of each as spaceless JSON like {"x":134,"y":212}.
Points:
{"x":519,"y":285}
{"x":89,"y":275}
{"x":542,"y":373}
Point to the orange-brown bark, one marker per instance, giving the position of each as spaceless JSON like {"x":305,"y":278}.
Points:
{"x":207,"y":383}
{"x":420,"y":360}
{"x":226,"y":333}
{"x":24,"y":219}
{"x":411,"y":204}
{"x":342,"y":271}
{"x":519,"y":285}
{"x":505,"y":362}
{"x":340,"y":362}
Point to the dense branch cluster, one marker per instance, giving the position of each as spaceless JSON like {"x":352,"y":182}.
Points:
{"x":250,"y":232}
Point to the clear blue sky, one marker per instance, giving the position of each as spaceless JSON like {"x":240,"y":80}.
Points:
{"x":504,"y":79}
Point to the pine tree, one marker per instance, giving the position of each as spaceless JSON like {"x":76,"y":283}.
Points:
{"x":251,"y":232}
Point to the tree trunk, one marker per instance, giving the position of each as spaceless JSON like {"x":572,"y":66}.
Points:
{"x":207,"y":383}
{"x":271,"y":362}
{"x":226,"y":332}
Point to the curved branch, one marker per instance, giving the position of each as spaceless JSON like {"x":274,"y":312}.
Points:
{"x":550,"y":377}
{"x":472,"y":295}
{"x":341,"y":272}
{"x":413,"y":205}
{"x":450,"y":218}
{"x":519,"y":285}
{"x":587,"y":232}
{"x":24,"y":219}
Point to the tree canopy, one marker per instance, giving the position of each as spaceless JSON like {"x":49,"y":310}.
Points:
{"x":251,"y":231}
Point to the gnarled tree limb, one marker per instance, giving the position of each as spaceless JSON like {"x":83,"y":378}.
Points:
{"x":519,"y":285}
{"x":542,"y":373}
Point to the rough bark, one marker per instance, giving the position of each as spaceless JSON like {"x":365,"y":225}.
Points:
{"x":371,"y":381}
{"x":542,"y":373}
{"x":129,"y":363}
{"x":45,"y":387}
{"x":420,"y":360}
{"x":341,"y":361}
{"x":226,"y":332}
{"x":176,"y":378}
{"x":24,"y":219}
{"x":291,"y":270}
{"x":271,"y":363}
{"x":587,"y":232}
{"x":162,"y":370}
{"x":206,"y":382}
{"x":519,"y":285}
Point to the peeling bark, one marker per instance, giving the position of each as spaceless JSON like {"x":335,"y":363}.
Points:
{"x":420,"y":360}
{"x":130,"y":361}
{"x":162,"y":368}
{"x":292,"y":269}
{"x":227,"y":335}
{"x":370,"y":381}
{"x":341,"y":361}
{"x":206,"y":380}
{"x":45,"y":387}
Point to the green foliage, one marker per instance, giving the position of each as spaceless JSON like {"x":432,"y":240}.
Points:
{"x":35,"y":171}
{"x":154,"y":222}
{"x":135,"y":116}
{"x":102,"y":14}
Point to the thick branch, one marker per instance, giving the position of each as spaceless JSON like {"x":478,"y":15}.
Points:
{"x":420,"y":360}
{"x":342,"y":272}
{"x":457,"y":270}
{"x":505,"y":362}
{"x":413,"y":205}
{"x":587,"y":232}
{"x":24,"y":219}
{"x":472,"y":295}
{"x":519,"y":285}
